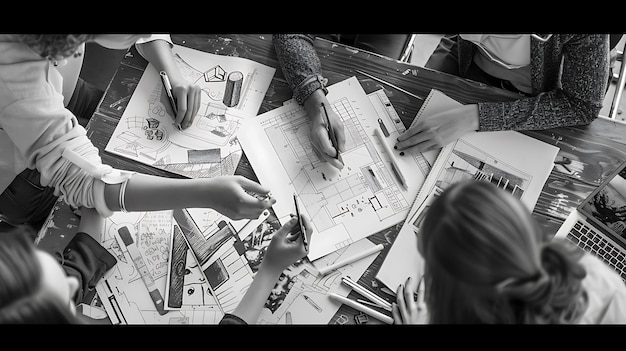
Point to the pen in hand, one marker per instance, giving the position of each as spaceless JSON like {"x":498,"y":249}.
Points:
{"x":170,"y":96}
{"x":331,"y":133}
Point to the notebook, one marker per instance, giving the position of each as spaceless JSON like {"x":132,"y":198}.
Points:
{"x":598,"y":225}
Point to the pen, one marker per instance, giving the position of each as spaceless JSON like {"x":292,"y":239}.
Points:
{"x":141,"y":267}
{"x":168,"y":91}
{"x":369,"y":303}
{"x":305,"y":241}
{"x":366,"y":293}
{"x":351,"y":259}
{"x":389,"y":84}
{"x":392,"y":159}
{"x":331,"y":133}
{"x":362,"y":308}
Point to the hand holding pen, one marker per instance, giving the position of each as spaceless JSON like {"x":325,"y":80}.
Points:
{"x":286,"y":246}
{"x":327,"y":143}
{"x":184,"y":100}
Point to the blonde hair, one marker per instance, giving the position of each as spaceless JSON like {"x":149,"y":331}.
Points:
{"x":487,"y":261}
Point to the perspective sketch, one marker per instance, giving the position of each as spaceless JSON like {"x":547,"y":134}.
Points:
{"x":232,"y":89}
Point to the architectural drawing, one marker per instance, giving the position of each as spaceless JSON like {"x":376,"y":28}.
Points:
{"x":344,"y":206}
{"x":233,"y":88}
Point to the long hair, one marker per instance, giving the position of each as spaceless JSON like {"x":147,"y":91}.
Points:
{"x":55,"y":46}
{"x":487,"y":261}
{"x":22,"y":299}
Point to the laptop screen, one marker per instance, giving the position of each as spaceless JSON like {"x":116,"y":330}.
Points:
{"x":606,"y":206}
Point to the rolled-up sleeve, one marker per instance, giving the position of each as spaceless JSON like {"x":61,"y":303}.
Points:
{"x":300,"y":64}
{"x":41,"y":128}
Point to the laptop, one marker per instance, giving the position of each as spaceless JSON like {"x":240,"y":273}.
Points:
{"x":598,"y":225}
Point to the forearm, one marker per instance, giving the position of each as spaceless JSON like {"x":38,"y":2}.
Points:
{"x":152,"y":193}
{"x":159,"y":54}
{"x":299,"y":63}
{"x":251,"y":305}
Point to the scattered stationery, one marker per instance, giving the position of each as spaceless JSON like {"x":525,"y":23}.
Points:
{"x":389,"y":84}
{"x":362,"y":308}
{"x":379,"y":301}
{"x":392,"y":159}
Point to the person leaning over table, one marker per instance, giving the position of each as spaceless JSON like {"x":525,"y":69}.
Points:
{"x":39,"y":288}
{"x":561,"y":80}
{"x":46,"y":152}
{"x":303,"y":71}
{"x":486,"y":260}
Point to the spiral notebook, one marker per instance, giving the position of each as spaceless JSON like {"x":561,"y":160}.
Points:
{"x":598,"y":225}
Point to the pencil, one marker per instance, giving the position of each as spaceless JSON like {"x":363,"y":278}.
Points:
{"x":394,"y":165}
{"x":389,"y":84}
{"x":362,"y":308}
{"x":351,"y":259}
{"x":168,"y":91}
{"x":379,"y":301}
{"x":331,"y":133}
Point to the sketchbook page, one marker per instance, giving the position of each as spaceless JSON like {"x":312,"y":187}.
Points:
{"x":513,"y":161}
{"x":233,"y":89}
{"x":124,"y":292}
{"x":344,"y":206}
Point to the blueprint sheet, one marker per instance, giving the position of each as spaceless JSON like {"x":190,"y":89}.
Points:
{"x":344,"y":206}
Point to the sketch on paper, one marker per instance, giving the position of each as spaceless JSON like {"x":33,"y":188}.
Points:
{"x":344,"y":206}
{"x":233,"y":89}
{"x":510,"y":160}
{"x":122,"y":290}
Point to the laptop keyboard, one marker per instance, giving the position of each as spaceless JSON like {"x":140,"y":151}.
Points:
{"x":587,"y":239}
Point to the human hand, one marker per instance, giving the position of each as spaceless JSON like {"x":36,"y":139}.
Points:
{"x":320,"y":140}
{"x":188,"y":98}
{"x":286,"y":246}
{"x":230,"y":196}
{"x":438,"y":130}
{"x":408,"y":308}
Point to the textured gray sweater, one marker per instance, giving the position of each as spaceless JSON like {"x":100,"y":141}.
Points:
{"x":569,"y":74}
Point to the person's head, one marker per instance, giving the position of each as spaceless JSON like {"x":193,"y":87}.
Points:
{"x":61,"y":46}
{"x":487,"y":261}
{"x":35,"y":288}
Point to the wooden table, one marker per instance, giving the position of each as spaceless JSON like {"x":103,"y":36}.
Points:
{"x":596,"y":149}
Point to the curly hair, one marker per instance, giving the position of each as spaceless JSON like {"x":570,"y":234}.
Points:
{"x":55,"y":46}
{"x":487,"y":261}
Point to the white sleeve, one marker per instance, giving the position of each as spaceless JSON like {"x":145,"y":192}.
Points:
{"x":153,"y":37}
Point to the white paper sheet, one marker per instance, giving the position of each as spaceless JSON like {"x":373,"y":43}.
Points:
{"x":209,"y":147}
{"x":511,"y":160}
{"x":344,"y":206}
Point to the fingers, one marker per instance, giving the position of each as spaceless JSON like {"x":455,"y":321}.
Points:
{"x":188,"y":104}
{"x":326,"y":152}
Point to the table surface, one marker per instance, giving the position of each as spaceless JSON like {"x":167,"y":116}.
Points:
{"x":596,"y":149}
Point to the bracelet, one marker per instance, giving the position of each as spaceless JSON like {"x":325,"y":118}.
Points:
{"x":122,"y":196}
{"x":304,"y":89}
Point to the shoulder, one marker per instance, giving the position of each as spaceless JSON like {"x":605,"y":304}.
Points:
{"x":605,"y":290}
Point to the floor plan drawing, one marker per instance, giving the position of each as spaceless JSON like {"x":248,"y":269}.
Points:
{"x":232,"y":90}
{"x":344,"y":206}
